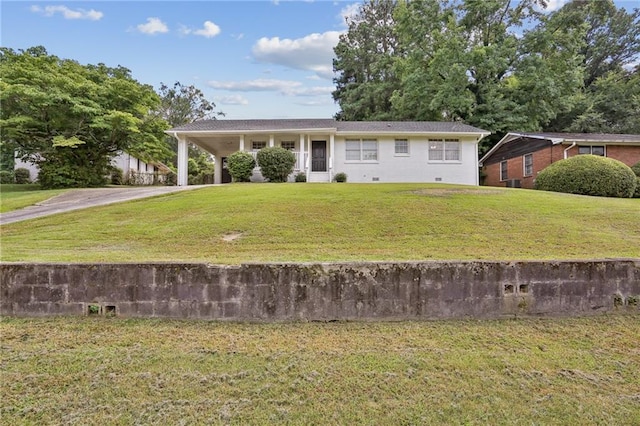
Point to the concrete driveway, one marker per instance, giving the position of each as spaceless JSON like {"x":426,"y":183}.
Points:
{"x":76,"y":199}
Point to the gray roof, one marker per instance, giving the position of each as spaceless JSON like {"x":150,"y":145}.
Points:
{"x":321,"y":123}
{"x":582,"y":137}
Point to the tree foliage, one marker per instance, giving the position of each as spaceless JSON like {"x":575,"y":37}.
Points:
{"x":496,"y":64}
{"x":71,"y":119}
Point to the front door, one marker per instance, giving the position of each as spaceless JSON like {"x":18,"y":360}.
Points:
{"x":318,"y":156}
{"x":226,"y":176}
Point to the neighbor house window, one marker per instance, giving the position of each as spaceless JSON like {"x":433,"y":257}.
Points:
{"x":402,"y":147}
{"x":258,"y":145}
{"x":528,"y":164}
{"x":593,"y":150}
{"x":290,"y":145}
{"x":444,"y":150}
{"x":503,"y":171}
{"x":361,"y":150}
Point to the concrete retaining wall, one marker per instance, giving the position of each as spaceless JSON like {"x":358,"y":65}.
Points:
{"x":412,"y":290}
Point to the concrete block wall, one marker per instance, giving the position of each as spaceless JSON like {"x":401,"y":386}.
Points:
{"x":327,"y":291}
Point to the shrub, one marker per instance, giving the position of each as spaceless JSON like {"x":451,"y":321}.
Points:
{"x":636,"y":194}
{"x":340,"y":177}
{"x":117,"y":176}
{"x":276,"y":163}
{"x":22,"y":175}
{"x":240,"y":165}
{"x":171,"y":179}
{"x":6,"y":176}
{"x":301,"y":177}
{"x":588,"y":175}
{"x":636,"y":169}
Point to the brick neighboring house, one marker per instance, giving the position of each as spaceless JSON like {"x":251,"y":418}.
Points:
{"x":517,"y":159}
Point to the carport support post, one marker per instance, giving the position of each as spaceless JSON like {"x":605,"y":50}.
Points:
{"x":183,"y":162}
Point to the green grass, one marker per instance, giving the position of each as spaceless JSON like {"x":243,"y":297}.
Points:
{"x":113,"y":371}
{"x":335,"y":222}
{"x":14,"y":197}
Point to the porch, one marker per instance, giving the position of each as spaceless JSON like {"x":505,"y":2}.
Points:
{"x":313,"y":152}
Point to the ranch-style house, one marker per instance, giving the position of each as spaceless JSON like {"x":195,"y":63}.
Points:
{"x":517,"y":158}
{"x":378,"y":151}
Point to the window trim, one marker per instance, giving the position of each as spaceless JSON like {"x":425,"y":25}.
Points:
{"x":401,"y":154}
{"x":604,"y":149}
{"x":360,"y":142}
{"x":504,"y":173}
{"x":253,"y":144}
{"x":293,"y":148}
{"x":524,"y":165}
{"x":444,"y":141}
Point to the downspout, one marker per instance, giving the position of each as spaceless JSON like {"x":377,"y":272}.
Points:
{"x":566,"y":150}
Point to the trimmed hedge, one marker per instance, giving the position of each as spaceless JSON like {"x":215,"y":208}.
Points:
{"x":22,"y":175}
{"x":240,"y":165}
{"x":588,"y":175}
{"x":276,"y":163}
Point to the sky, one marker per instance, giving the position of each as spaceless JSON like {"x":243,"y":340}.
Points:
{"x":254,"y":59}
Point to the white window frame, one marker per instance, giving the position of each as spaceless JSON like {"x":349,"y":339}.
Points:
{"x":604,"y":149}
{"x":361,"y":150}
{"x":439,"y":147}
{"x":258,"y":143}
{"x":524,"y":165}
{"x":395,"y":148}
{"x":504,"y":175}
{"x":291,"y":147}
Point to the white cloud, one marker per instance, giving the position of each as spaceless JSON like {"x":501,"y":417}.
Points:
{"x":208,"y":30}
{"x":348,"y":13}
{"x":284,"y":87}
{"x":153,"y":26}
{"x":232,"y":100}
{"x":310,"y":53}
{"x":553,"y":5}
{"x":92,"y":15}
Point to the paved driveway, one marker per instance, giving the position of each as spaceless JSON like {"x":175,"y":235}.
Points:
{"x":76,"y":199}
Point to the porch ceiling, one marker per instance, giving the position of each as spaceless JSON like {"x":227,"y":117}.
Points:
{"x":213,"y":144}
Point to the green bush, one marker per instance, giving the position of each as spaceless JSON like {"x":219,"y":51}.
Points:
{"x":22,"y":175}
{"x":240,"y":165}
{"x":636,"y":169}
{"x":340,"y":177}
{"x":171,"y":179}
{"x":6,"y":176}
{"x":301,"y":177}
{"x":636,"y":194}
{"x":117,"y":176}
{"x":588,"y":175}
{"x":276,"y":163}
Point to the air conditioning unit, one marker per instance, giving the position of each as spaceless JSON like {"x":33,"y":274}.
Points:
{"x":514,"y":183}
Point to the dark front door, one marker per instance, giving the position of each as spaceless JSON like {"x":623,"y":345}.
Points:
{"x":226,"y":176}
{"x":318,"y":156}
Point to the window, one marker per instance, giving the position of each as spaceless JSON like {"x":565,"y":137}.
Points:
{"x":593,"y":150}
{"x":503,"y":171}
{"x":290,"y":145}
{"x":361,"y":150}
{"x":444,"y":150}
{"x":402,"y":147}
{"x":528,"y":164}
{"x":258,"y":145}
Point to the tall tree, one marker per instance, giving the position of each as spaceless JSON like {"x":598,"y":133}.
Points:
{"x":364,"y":63}
{"x":71,"y":119}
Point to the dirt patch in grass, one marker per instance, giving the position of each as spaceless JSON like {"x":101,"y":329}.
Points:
{"x":231,"y":236}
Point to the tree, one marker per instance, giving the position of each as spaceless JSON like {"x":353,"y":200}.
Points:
{"x":71,"y":119}
{"x":364,"y":61}
{"x":180,"y":105}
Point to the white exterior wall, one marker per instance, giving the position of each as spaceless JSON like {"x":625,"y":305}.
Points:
{"x":33,"y":169}
{"x":414,"y":167}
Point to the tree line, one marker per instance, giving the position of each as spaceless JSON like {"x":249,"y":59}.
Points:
{"x":71,"y":119}
{"x":499,"y":65}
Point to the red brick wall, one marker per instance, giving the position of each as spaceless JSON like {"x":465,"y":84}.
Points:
{"x":629,"y":155}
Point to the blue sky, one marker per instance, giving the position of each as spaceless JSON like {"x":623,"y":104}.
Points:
{"x":254,"y":59}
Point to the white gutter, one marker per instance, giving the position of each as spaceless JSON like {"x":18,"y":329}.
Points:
{"x":567,"y":149}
